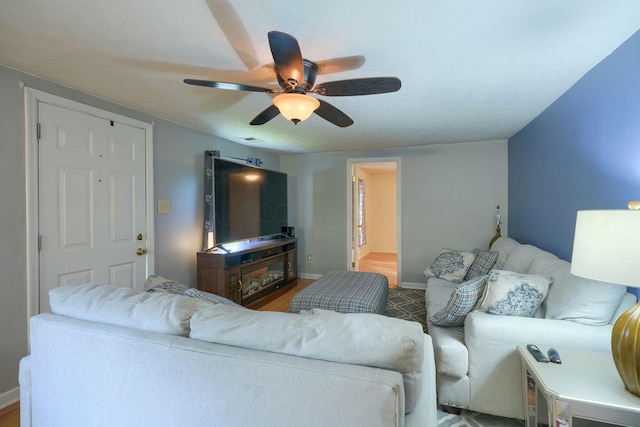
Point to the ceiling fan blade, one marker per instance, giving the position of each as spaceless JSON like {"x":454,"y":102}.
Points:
{"x":339,"y":65}
{"x":333,"y":115}
{"x":366,"y":86}
{"x":228,"y":86}
{"x":267,"y":114}
{"x":287,"y":57}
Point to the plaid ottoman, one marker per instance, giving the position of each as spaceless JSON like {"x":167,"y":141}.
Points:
{"x":344,"y":292}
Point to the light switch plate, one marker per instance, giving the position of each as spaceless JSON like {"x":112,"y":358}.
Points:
{"x":164,"y":206}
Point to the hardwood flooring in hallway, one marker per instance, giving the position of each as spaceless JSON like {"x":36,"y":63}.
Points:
{"x":384,"y":263}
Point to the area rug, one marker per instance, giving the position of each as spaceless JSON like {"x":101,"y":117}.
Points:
{"x":407,"y":304}
{"x":475,"y":419}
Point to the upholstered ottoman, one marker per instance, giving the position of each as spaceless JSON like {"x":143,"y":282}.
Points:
{"x":344,"y":292}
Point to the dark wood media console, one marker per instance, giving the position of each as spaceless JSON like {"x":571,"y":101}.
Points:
{"x":251,"y":273}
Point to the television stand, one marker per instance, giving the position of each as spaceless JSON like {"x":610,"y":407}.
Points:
{"x":249,"y":273}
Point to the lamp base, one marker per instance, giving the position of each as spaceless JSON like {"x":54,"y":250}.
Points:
{"x":625,"y":347}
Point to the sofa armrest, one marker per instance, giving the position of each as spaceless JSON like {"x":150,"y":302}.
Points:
{"x":425,"y":412}
{"x":24,"y":378}
{"x":494,"y":363}
{"x":482,"y":330}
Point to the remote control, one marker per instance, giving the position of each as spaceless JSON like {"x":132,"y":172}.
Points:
{"x":537,"y":354}
{"x":554,"y":357}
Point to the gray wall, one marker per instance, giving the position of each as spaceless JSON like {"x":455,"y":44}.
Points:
{"x":448,"y":199}
{"x":178,"y":169}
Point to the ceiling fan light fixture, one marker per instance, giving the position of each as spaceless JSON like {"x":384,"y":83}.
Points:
{"x":296,"y":107}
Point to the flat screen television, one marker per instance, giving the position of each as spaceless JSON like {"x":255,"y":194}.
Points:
{"x":249,"y":202}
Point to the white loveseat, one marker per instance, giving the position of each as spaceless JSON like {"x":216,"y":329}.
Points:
{"x":477,"y":365}
{"x":112,"y":356}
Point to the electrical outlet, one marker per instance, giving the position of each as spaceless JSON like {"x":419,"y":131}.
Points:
{"x":309,"y":258}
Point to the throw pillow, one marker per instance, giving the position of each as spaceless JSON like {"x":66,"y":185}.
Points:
{"x":217,"y":299}
{"x":514,"y":294}
{"x":156,"y":283}
{"x":482,"y":264}
{"x":450,"y":265}
{"x":463,"y":298}
{"x":581,"y":300}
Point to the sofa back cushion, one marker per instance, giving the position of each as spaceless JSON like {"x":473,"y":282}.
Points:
{"x":585,"y":301}
{"x":356,"y":338}
{"x":520,"y":258}
{"x":503,"y":246}
{"x":161,"y":312}
{"x":573,"y":298}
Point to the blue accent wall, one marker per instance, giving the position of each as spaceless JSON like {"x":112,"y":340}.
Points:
{"x":582,"y":152}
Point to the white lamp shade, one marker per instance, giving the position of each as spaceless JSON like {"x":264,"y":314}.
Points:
{"x":295,"y":106}
{"x":606,"y":246}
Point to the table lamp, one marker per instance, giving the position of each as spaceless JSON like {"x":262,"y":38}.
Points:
{"x":606,"y":247}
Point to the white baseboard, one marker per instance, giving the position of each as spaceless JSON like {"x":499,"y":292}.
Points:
{"x":310,"y":276}
{"x":9,"y":397}
{"x":409,"y":285}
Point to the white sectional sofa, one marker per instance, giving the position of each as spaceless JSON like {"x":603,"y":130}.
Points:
{"x":477,"y":365}
{"x":112,"y":356}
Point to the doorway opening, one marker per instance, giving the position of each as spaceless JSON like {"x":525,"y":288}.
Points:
{"x":374,"y":200}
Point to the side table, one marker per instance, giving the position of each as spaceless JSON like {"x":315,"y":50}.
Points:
{"x":582,"y":390}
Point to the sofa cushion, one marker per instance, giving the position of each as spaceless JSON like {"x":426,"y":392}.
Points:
{"x":581,"y":300}
{"x":452,"y":356}
{"x":482,"y":263}
{"x":161,"y":312}
{"x":520,"y":258}
{"x":504,"y":246}
{"x":513,"y":294}
{"x":548,"y":264}
{"x":464,"y":297}
{"x":450,"y":265}
{"x":355,"y":338}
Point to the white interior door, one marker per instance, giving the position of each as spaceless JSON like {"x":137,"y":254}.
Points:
{"x":91,"y":199}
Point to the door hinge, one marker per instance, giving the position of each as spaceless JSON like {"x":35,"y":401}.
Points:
{"x":353,"y":264}
{"x":39,"y":242}
{"x":353,"y":178}
{"x":38,"y":131}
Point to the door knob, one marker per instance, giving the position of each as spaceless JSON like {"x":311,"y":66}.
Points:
{"x":141,"y":251}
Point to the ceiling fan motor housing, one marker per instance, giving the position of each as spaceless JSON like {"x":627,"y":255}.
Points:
{"x":310,"y":73}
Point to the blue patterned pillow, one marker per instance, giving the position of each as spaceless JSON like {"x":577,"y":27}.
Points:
{"x":514,"y":294}
{"x":482,"y":264}
{"x":450,"y":265}
{"x":463,"y":298}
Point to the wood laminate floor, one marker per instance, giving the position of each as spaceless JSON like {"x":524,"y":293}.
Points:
{"x":10,"y":416}
{"x":282,"y":302}
{"x":384,"y":263}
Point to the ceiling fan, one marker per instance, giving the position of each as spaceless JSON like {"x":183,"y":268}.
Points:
{"x":296,"y":76}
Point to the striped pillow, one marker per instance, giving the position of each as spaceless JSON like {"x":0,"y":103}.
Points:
{"x":463,"y":298}
{"x":482,"y":264}
{"x":216,"y":299}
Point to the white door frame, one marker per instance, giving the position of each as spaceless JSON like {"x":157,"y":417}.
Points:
{"x":31,"y":99}
{"x":350,"y":165}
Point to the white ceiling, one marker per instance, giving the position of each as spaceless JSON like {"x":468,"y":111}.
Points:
{"x":470,"y":70}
